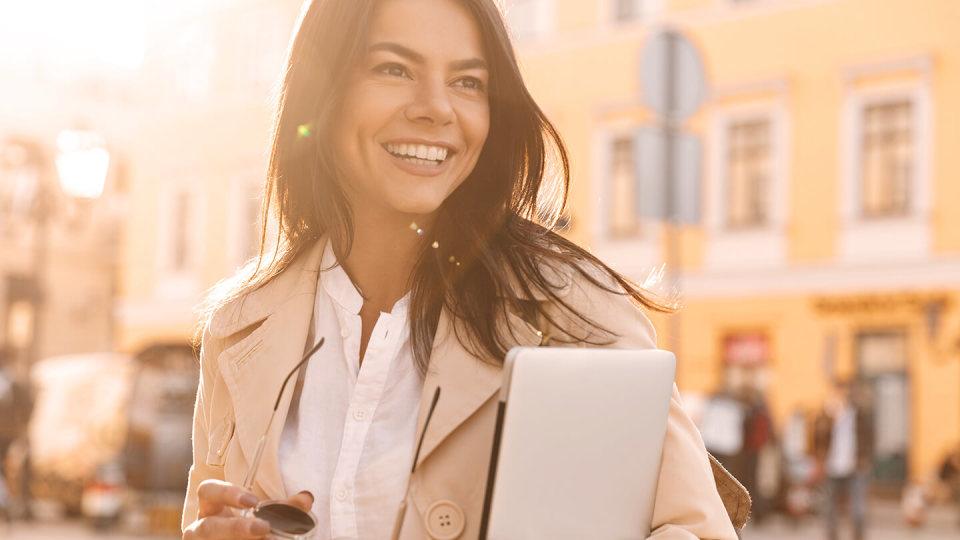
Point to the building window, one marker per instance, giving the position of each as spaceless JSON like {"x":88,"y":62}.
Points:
{"x":622,"y":207}
{"x":886,"y":156}
{"x":179,"y":247}
{"x":748,"y":172}
{"x":626,"y":11}
{"x":527,"y":18}
{"x":245,"y":218}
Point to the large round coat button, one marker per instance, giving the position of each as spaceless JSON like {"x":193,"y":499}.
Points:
{"x":444,"y":520}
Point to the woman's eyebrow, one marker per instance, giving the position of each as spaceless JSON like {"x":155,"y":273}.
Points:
{"x":406,"y":52}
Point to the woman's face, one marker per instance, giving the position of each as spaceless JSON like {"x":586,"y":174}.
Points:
{"x":415,"y":113}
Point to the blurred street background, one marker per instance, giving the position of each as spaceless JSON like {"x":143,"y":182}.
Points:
{"x":791,"y":167}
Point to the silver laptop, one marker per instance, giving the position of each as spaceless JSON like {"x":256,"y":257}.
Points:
{"x":576,"y":452}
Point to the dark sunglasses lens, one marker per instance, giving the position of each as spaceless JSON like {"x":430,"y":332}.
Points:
{"x":286,"y":518}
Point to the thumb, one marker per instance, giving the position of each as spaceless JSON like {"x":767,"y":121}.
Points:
{"x":302,"y":500}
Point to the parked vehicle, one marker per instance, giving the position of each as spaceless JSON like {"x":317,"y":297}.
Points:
{"x":110,"y":431}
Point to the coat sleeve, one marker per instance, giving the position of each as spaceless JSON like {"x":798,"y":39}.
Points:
{"x":688,"y":505}
{"x":199,"y":470}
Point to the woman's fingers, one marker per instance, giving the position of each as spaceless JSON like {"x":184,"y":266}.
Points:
{"x":224,"y":528}
{"x":302,"y":500}
{"x":216,"y":495}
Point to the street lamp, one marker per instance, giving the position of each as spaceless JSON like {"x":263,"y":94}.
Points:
{"x":82,"y":163}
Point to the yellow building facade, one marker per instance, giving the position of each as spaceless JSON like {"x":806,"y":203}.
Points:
{"x":828,"y":243}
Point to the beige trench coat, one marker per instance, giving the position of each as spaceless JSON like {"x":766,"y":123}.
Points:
{"x":249,"y":346}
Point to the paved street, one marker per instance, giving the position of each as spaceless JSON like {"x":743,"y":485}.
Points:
{"x":886,"y":525}
{"x":65,"y":530}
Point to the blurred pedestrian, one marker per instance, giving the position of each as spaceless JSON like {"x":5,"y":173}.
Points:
{"x":6,"y":436}
{"x":798,"y":465}
{"x":16,"y":406}
{"x":843,"y":447}
{"x":406,"y":170}
{"x":948,"y":479}
{"x":761,"y":455}
{"x":722,"y":429}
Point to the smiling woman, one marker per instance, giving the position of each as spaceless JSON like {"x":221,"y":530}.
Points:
{"x":406,"y":174}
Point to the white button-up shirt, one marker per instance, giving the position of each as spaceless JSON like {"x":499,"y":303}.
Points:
{"x":349,"y":435}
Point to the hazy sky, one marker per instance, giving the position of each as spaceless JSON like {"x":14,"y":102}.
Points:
{"x":74,"y":34}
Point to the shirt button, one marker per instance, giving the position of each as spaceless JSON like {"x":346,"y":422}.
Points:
{"x":344,"y":332}
{"x":359,"y":414}
{"x":342,"y":495}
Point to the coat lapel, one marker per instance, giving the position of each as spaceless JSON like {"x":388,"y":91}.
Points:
{"x":466,"y":382}
{"x":255,"y":366}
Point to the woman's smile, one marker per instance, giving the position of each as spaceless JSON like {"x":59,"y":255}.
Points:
{"x":419,"y":160}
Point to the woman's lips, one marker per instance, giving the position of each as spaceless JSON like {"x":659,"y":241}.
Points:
{"x":418,"y":169}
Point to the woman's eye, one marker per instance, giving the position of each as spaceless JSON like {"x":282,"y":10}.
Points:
{"x":391,"y":69}
{"x":474,"y":83}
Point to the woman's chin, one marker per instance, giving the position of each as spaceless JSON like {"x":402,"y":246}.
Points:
{"x":417,"y":209}
{"x":419,"y":205}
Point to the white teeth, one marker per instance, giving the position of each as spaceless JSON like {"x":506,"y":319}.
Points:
{"x":420,"y":151}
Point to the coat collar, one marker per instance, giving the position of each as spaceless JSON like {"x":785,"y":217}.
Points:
{"x":253,"y":368}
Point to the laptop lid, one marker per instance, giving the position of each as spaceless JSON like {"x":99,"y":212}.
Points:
{"x":576,"y":452}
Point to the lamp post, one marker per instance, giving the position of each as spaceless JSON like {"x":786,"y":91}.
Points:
{"x":82,"y":163}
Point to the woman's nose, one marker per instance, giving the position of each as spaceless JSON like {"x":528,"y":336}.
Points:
{"x":431,"y":104}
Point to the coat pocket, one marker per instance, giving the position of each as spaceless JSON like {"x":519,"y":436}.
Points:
{"x":218,"y":441}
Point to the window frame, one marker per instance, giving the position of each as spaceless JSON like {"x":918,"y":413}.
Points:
{"x":633,"y":255}
{"x":763,"y":246}
{"x":873,"y":238}
{"x":183,"y":282}
{"x":646,"y":10}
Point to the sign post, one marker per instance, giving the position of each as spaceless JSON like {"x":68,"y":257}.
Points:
{"x":673,"y":83}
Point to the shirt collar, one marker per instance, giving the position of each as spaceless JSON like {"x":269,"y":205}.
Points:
{"x":337,"y":283}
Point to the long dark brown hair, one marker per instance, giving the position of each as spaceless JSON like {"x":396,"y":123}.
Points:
{"x":495,"y":229}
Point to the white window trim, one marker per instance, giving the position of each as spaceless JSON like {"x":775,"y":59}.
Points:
{"x":761,"y":247}
{"x":185,"y":283}
{"x":649,"y":11}
{"x":633,"y":256}
{"x":889,"y":239}
{"x":545,"y":21}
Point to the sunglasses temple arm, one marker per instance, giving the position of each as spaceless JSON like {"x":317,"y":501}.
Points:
{"x":398,"y":524}
{"x":255,"y":464}
{"x":402,"y":510}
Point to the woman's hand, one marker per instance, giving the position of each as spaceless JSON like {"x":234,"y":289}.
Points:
{"x":217,"y":519}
